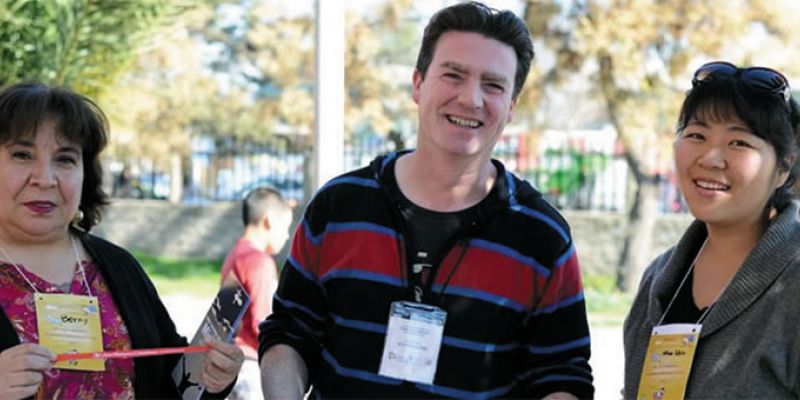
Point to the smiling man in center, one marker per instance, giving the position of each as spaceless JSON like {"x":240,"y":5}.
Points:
{"x":436,"y":272}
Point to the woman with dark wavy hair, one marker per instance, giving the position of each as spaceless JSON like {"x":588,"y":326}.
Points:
{"x":62,"y":289}
{"x":716,"y":315}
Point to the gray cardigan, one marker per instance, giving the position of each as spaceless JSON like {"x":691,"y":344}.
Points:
{"x":750,"y":343}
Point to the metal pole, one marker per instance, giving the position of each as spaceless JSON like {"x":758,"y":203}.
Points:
{"x":329,"y":96}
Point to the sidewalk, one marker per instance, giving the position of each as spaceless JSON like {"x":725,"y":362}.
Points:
{"x":607,"y":361}
{"x":187,"y":312}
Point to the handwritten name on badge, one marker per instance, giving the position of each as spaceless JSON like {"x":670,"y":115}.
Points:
{"x":68,"y":319}
{"x":666,"y":369}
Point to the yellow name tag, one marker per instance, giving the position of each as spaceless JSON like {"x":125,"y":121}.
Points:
{"x":668,"y":361}
{"x":70,"y":324}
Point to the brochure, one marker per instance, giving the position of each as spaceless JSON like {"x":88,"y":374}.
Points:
{"x":221,"y":322}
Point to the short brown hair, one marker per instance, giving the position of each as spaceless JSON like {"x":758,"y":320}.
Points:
{"x":24,"y":106}
{"x":263,"y":201}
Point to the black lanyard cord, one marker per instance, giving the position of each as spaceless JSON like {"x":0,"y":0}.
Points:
{"x":457,"y":264}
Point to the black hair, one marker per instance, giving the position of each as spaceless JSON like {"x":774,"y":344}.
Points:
{"x":261,"y":201}
{"x":768,"y":115}
{"x":79,"y":120}
{"x":479,"y":18}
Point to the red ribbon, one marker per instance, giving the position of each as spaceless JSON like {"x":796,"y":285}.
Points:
{"x":101,"y":355}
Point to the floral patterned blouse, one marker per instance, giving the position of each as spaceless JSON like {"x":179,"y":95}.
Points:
{"x":17,"y":300}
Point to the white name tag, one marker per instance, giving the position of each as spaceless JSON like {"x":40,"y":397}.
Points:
{"x":413,"y":340}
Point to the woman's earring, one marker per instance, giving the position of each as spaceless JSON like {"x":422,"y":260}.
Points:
{"x":76,"y":220}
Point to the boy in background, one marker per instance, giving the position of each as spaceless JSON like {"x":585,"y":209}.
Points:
{"x":266,"y":218}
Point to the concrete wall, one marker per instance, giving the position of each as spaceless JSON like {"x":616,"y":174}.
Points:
{"x":208,"y":231}
{"x":178,"y":231}
{"x":598,"y":237}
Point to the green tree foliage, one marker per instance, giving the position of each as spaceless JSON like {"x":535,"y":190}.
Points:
{"x":166,"y":91}
{"x":269,"y":56}
{"x":638,"y":55}
{"x":83,"y":44}
{"x":263,"y":66}
{"x":246,"y":69}
{"x":169,"y":92}
{"x":378,"y":67}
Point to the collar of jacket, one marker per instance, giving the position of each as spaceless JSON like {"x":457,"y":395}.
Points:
{"x":506,"y":192}
{"x":774,"y":252}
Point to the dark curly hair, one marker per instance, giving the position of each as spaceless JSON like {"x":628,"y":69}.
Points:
{"x":80,"y":121}
{"x":768,"y":115}
{"x":479,"y":18}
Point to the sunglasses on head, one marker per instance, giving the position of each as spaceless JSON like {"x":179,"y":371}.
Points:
{"x":762,"y":79}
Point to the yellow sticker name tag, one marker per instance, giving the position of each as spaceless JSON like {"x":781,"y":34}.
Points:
{"x":668,"y":361}
{"x":70,"y":324}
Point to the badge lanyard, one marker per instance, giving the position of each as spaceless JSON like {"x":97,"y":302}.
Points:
{"x":414,"y":333}
{"x":670,"y":351}
{"x":420,"y":289}
{"x":415,"y":330}
{"x":68,"y":323}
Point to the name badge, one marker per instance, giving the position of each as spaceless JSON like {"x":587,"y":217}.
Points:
{"x":70,"y":324}
{"x":413,"y":340}
{"x":668,"y":361}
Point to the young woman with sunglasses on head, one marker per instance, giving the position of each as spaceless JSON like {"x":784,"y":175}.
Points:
{"x":714,"y":315}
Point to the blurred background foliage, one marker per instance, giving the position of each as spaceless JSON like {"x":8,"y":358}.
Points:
{"x":637,"y":57}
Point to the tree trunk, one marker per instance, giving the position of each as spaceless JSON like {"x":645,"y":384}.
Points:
{"x":638,"y":240}
{"x":175,"y":178}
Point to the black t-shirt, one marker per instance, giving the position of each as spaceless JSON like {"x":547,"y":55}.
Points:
{"x":429,"y":235}
{"x":684,"y":309}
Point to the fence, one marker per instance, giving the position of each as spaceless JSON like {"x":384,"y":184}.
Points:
{"x":226,"y":169}
{"x":570,"y":175}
